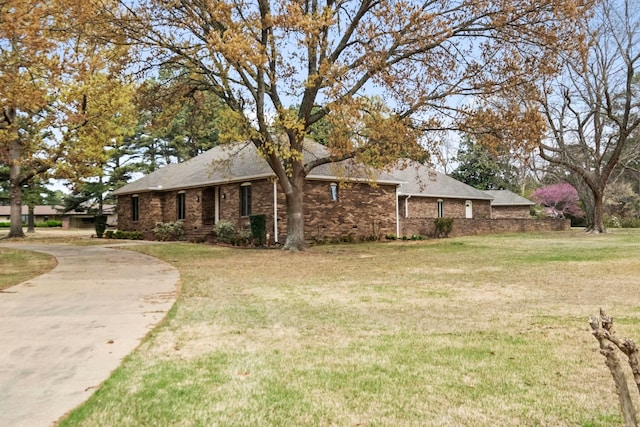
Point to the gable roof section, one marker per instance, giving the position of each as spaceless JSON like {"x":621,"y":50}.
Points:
{"x":422,"y":181}
{"x":240,"y":162}
{"x":508,"y":198}
{"x":350,"y":170}
{"x":40,"y":210}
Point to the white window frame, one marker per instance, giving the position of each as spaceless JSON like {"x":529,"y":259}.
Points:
{"x":333,"y":192}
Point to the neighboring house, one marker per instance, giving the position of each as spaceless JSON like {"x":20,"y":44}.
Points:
{"x":231,"y":182}
{"x":507,"y":204}
{"x":341,"y":201}
{"x":40,"y":213}
{"x":85,"y":217}
{"x":80,"y":218}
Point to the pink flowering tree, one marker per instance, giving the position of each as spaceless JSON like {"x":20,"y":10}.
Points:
{"x":559,"y":200}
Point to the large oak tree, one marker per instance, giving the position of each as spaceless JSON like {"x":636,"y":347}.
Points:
{"x":593,"y":110}
{"x":325,"y":56}
{"x":52,"y":68}
{"x":27,"y":63}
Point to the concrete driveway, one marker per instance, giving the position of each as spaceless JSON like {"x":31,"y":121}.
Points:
{"x":64,"y":332}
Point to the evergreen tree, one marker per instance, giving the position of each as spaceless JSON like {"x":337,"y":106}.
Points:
{"x":483,"y":169}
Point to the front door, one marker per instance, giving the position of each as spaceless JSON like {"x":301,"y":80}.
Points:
{"x":210,"y":205}
{"x":468,"y":209}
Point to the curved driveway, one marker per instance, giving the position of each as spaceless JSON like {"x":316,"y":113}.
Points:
{"x":63,"y":333}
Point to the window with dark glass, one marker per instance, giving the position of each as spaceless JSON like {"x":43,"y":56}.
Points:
{"x":135,"y":208}
{"x":182,"y":206}
{"x":245,"y":200}
{"x":440,"y":209}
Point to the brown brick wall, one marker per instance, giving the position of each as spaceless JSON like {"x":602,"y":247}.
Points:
{"x":361,"y":211}
{"x":150,"y":208}
{"x":261,"y":203}
{"x":500,"y":212}
{"x":427,"y":207}
{"x":471,"y":227}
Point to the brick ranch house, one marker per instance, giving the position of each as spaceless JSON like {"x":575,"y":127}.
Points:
{"x":231,"y":182}
{"x":426,"y":194}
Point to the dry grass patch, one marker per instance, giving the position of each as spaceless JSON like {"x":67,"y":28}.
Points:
{"x":57,"y":235}
{"x":17,"y":266}
{"x":482,"y":331}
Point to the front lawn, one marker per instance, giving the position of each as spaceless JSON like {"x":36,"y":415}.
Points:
{"x":475,"y":331}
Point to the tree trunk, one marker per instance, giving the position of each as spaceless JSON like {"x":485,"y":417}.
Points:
{"x":295,"y":215}
{"x":31,"y":223}
{"x":100,"y":198}
{"x":597,"y":222}
{"x":15,"y":189}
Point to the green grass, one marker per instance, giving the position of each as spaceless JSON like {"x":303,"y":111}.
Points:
{"x":475,"y":331}
{"x":17,"y":266}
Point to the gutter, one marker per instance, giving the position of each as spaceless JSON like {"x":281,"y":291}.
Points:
{"x":397,"y":212}
{"x":275,"y":212}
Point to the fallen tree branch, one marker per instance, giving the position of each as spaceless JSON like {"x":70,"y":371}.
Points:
{"x":602,"y":330}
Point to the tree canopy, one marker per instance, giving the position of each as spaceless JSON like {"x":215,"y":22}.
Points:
{"x":261,"y":56}
{"x":177,"y":119}
{"x":593,"y":110}
{"x":559,"y":200}
{"x":484,"y":169}
{"x":56,"y":91}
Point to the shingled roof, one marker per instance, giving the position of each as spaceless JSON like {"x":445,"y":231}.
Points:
{"x":421,"y":180}
{"x":507,"y":198}
{"x":241,"y":162}
{"x":37,"y":210}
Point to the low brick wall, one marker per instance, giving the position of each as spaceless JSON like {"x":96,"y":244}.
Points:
{"x":472,"y":227}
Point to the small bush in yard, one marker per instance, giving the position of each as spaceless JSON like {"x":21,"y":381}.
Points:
{"x":443,"y":227}
{"x":101,"y":225}
{"x":630,"y":223}
{"x":125,"y":235}
{"x":258,"y":224}
{"x":242,"y":238}
{"x":226,"y":231}
{"x":50,"y":223}
{"x":169,"y":230}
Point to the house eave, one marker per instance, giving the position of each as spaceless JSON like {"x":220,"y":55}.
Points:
{"x":195,"y":185}
{"x":444,"y":196}
{"x":357,"y":180}
{"x":251,"y":178}
{"x":513,"y":204}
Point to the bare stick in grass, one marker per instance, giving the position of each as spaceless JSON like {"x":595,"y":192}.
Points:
{"x":603,"y":331}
